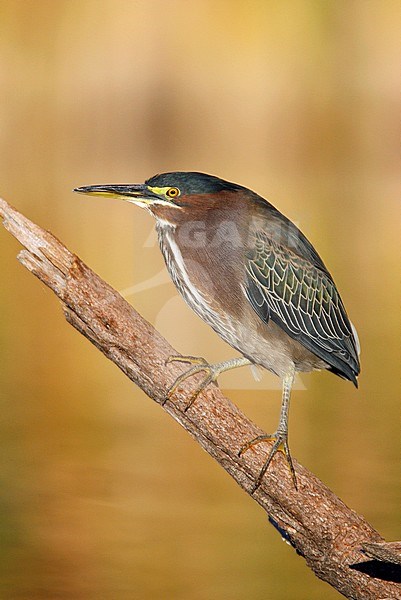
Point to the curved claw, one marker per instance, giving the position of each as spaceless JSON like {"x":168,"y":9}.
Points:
{"x":200,"y":364}
{"x":280,"y":445}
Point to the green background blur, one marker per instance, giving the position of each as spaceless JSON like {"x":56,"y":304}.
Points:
{"x":102,"y":495}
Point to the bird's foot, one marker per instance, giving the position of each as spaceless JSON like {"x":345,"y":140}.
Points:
{"x":280,"y":444}
{"x":199,"y":365}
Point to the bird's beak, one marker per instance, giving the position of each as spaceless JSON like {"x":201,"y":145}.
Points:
{"x":137,"y":193}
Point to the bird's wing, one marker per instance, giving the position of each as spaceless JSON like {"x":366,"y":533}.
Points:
{"x":303,"y":300}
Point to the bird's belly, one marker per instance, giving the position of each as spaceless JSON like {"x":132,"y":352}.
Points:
{"x":269,"y":346}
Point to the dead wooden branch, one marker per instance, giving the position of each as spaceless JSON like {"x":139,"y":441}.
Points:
{"x":334,"y":540}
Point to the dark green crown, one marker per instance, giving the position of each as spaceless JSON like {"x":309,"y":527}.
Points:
{"x":192,"y":183}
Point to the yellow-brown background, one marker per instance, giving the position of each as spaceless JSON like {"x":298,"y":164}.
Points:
{"x":102,"y":495}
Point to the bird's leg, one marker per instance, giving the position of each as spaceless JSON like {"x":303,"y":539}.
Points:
{"x":199,"y":365}
{"x":280,"y":438}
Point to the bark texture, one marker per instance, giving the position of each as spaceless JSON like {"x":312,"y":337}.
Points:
{"x":336,"y":543}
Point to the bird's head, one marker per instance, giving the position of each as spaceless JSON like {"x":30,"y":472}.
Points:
{"x":169,"y":195}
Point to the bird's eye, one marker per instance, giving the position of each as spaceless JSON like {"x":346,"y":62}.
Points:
{"x":173,"y":192}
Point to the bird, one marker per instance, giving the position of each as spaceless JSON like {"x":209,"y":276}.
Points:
{"x":254,"y":278}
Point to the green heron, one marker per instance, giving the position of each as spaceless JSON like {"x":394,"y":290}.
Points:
{"x":251,"y":275}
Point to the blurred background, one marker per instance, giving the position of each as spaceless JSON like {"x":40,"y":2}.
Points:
{"x":102,"y":494}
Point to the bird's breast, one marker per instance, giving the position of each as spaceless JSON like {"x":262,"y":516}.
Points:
{"x":201,"y":275}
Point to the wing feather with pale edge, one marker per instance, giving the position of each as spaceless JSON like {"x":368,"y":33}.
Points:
{"x":303,"y":300}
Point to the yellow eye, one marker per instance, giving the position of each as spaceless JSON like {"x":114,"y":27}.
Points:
{"x":173,"y":192}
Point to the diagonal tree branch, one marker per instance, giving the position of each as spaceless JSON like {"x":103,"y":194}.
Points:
{"x":335,"y":541}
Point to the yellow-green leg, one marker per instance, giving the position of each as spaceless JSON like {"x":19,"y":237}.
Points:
{"x":211,"y":373}
{"x":280,"y":437}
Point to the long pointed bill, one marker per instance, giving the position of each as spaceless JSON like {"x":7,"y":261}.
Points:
{"x":137,"y":193}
